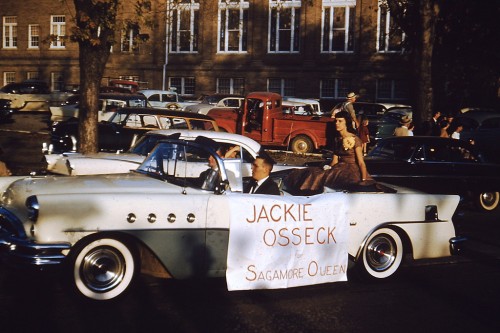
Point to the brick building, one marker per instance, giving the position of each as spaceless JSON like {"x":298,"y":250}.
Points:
{"x":303,"y":48}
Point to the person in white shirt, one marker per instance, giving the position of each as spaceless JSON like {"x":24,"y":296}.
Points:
{"x":403,"y":129}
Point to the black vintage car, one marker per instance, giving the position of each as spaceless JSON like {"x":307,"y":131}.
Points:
{"x":483,"y":127}
{"x":437,"y":165}
{"x":127,"y":125}
{"x":6,"y":110}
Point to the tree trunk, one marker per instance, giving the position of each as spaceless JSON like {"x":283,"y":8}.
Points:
{"x":96,"y":23}
{"x":92,"y":64}
{"x":428,"y":11}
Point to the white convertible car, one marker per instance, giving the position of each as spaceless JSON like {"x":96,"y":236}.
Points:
{"x":165,"y":219}
{"x":73,"y":164}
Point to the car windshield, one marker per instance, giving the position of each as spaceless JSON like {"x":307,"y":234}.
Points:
{"x":145,"y":144}
{"x":212,"y":99}
{"x":183,"y":165}
{"x":492,"y":123}
{"x":189,"y":165}
{"x":390,"y":150}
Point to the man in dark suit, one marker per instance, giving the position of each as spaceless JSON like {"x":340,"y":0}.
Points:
{"x":261,"y":183}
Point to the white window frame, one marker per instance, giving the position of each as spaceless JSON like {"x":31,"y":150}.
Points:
{"x":176,"y":31}
{"x":33,"y":36}
{"x":386,"y":31}
{"x":10,"y":32}
{"x":275,"y":32}
{"x":9,"y":77}
{"x":234,"y":85}
{"x":287,"y":86}
{"x":134,"y":78}
{"x":339,"y":86}
{"x":395,"y":90}
{"x":328,"y":6}
{"x":182,"y":88}
{"x":128,"y":36}
{"x":56,"y":81}
{"x":58,"y":29}
{"x":33,"y":75}
{"x":223,"y":19}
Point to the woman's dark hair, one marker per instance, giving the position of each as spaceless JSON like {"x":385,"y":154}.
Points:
{"x":348,"y":121}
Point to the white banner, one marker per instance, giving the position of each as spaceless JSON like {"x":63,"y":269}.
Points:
{"x":282,"y":242}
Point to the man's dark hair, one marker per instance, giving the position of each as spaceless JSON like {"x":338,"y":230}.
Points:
{"x":268,"y":160}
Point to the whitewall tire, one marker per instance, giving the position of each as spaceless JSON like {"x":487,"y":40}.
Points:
{"x":382,"y":254}
{"x":103,"y":268}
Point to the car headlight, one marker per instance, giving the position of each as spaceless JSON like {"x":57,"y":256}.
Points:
{"x":33,"y":208}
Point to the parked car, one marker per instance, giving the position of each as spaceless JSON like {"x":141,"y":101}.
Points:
{"x":27,"y":96}
{"x":6,"y":110}
{"x":131,"y":86}
{"x":483,"y":128}
{"x":125,"y":126}
{"x":166,"y":99}
{"x":298,"y":108}
{"x":108,"y":163}
{"x":162,"y":220}
{"x":108,"y":104}
{"x":216,"y":101}
{"x":313,"y":104}
{"x":437,"y":165}
{"x":475,"y":108}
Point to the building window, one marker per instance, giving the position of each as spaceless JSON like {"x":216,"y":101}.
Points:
{"x":33,"y":36}
{"x":284,"y":26}
{"x":58,"y":31}
{"x":33,"y":75}
{"x":134,"y":78}
{"x":392,"y":90}
{"x":129,"y":38}
{"x":184,"y":27}
{"x":284,"y":87}
{"x":9,"y":77}
{"x":56,"y":81}
{"x":231,"y":86}
{"x":334,"y":88}
{"x":10,"y":32}
{"x":390,"y":37}
{"x":337,"y":26}
{"x":233,"y":26}
{"x":182,"y":85}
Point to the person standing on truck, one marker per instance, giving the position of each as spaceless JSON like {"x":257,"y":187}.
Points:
{"x":348,"y":107}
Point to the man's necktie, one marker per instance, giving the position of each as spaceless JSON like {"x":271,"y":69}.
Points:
{"x":253,"y":186}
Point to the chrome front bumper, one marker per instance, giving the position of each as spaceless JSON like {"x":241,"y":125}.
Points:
{"x":15,"y":248}
{"x":23,"y":252}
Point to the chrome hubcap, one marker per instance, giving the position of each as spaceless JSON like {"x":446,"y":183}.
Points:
{"x":381,"y":253}
{"x":103,"y":269}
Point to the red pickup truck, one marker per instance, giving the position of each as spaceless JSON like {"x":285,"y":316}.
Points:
{"x":263,"y":119}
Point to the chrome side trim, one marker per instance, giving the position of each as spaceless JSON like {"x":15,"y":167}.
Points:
{"x":457,"y":244}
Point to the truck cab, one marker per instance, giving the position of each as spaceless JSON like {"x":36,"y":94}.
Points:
{"x":263,"y":119}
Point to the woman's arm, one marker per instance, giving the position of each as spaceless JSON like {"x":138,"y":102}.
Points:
{"x":335,"y":160}
{"x":361,"y":163}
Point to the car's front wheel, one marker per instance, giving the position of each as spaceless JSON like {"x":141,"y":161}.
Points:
{"x":489,"y":201}
{"x":103,"y":268}
{"x":382,"y":254}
